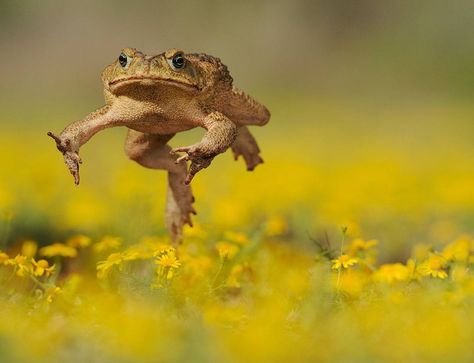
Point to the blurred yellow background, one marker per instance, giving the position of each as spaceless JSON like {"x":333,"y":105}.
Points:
{"x":372,"y":115}
{"x":371,"y":134}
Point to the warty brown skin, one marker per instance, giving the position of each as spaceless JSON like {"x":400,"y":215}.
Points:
{"x":156,"y":97}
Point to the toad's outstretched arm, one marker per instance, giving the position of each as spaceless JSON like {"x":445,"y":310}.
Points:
{"x":221,"y":133}
{"x":78,"y":133}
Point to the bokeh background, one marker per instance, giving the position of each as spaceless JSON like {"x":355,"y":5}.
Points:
{"x":371,"y":133}
{"x":372,"y":117}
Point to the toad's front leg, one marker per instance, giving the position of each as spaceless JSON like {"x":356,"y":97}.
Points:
{"x":221,"y":133}
{"x":78,"y":133}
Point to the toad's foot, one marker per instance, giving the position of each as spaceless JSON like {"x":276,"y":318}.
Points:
{"x":252,"y":158}
{"x":200,"y":159}
{"x":178,"y":213}
{"x":71,"y":157}
{"x":246,"y":145}
{"x":183,"y":197}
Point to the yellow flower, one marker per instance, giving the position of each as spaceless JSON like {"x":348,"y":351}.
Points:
{"x":104,"y":267}
{"x":359,"y":244}
{"x":107,"y":243}
{"x":3,"y":257}
{"x":41,"y":267}
{"x":237,"y":237}
{"x":20,"y":263}
{"x":235,"y":273}
{"x":226,"y":249}
{"x":458,"y":250}
{"x":29,"y":248}
{"x":392,"y":272}
{"x":344,"y":261}
{"x":421,"y":251}
{"x":163,"y":248}
{"x":58,"y":249}
{"x":434,"y":267}
{"x":276,"y":226}
{"x":167,"y":262}
{"x":79,"y":241}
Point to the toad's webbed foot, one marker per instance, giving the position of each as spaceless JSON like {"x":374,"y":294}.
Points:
{"x":246,"y":145}
{"x":200,"y":159}
{"x":221,"y":133}
{"x":71,"y":157}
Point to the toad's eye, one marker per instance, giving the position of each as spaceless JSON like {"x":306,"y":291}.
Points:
{"x":178,"y":61}
{"x":124,"y":60}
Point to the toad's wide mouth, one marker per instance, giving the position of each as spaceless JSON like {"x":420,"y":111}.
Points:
{"x":147,"y":81}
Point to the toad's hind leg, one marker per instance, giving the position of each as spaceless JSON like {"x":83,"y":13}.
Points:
{"x":151,"y":151}
{"x":246,"y":146}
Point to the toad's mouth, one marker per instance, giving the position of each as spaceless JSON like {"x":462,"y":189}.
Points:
{"x":148,"y":81}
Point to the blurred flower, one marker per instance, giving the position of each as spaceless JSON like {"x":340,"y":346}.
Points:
{"x":58,"y":249}
{"x":3,"y":257}
{"x":226,"y":249}
{"x":421,"y":251}
{"x":458,"y":250}
{"x":29,"y":248}
{"x":276,"y":226}
{"x":107,"y":243}
{"x":20,"y":263}
{"x":351,"y":282}
{"x":235,"y":273}
{"x":359,"y":244}
{"x":344,"y":261}
{"x":237,"y":237}
{"x":79,"y":241}
{"x":41,"y":267}
{"x":392,"y":272}
{"x":434,"y":266}
{"x":104,"y":267}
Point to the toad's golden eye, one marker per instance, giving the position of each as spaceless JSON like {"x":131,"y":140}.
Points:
{"x":178,"y":61}
{"x":124,"y":60}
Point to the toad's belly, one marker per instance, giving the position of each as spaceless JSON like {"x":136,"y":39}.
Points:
{"x":153,"y":117}
{"x":157,"y":124}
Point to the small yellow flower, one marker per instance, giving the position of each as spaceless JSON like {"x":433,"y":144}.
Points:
{"x":41,"y":267}
{"x":359,"y":244}
{"x":392,"y":272}
{"x":234,"y":276}
{"x":79,"y":241}
{"x":107,"y":243}
{"x":20,"y":263}
{"x":104,"y":267}
{"x":458,"y":250}
{"x":29,"y":248}
{"x":163,"y":248}
{"x":58,"y":249}
{"x":344,"y":261}
{"x":3,"y":258}
{"x":237,"y":237}
{"x":167,"y":262}
{"x":226,"y":249}
{"x":276,"y":226}
{"x":434,"y":267}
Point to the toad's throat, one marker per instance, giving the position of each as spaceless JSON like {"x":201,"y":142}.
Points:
{"x":138,"y":79}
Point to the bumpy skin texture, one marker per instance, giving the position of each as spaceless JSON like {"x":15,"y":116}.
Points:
{"x":156,"y":97}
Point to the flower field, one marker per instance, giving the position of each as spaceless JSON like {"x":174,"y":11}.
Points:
{"x":353,"y":242}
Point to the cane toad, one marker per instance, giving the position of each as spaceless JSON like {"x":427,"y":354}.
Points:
{"x":156,"y":97}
